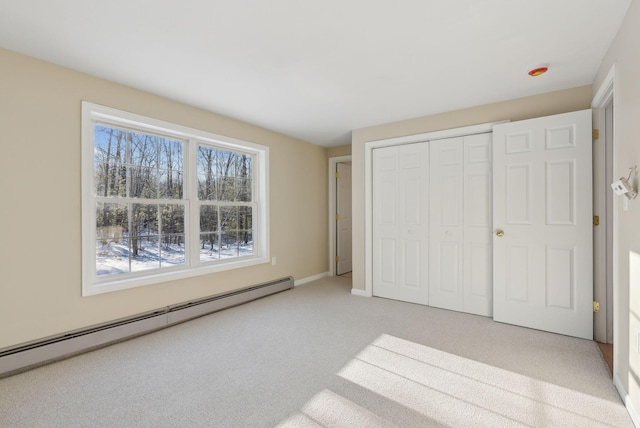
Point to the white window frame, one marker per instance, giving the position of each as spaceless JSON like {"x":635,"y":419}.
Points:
{"x":91,"y":285}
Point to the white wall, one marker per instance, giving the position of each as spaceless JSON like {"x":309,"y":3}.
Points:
{"x":625,"y":54}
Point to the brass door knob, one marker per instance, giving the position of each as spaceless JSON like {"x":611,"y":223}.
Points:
{"x":499,"y":233}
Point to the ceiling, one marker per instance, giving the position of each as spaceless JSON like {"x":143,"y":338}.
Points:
{"x":317,"y":70}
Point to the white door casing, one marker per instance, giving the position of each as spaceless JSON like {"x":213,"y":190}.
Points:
{"x":542,"y":200}
{"x":343,"y":222}
{"x":400,"y":222}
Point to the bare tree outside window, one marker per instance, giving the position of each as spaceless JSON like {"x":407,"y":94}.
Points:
{"x":137,"y":176}
{"x":226,"y":195}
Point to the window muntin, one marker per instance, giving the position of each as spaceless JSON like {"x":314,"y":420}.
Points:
{"x":163,"y":202}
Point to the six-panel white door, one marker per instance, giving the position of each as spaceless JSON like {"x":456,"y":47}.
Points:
{"x":460,"y":224}
{"x":400,"y":222}
{"x":542,"y":263}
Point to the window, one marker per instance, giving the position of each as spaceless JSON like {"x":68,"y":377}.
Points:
{"x":163,"y":202}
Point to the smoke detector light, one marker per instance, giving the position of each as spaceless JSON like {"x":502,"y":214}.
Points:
{"x":538,"y":71}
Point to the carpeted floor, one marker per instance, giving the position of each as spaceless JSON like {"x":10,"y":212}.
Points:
{"x":318,"y":356}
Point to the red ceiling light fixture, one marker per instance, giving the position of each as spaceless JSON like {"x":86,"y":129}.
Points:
{"x":538,"y":71}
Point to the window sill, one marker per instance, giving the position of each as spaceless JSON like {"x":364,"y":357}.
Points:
{"x":92,"y":289}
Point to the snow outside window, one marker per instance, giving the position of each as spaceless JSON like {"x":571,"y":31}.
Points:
{"x":164,"y":202}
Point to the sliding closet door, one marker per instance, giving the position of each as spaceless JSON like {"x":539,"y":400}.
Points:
{"x":478,"y":219}
{"x":460,"y":224}
{"x":446,"y":244}
{"x":400,"y":222}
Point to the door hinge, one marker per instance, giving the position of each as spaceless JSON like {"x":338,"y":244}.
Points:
{"x":596,"y":306}
{"x":337,"y":216}
{"x":337,"y":259}
{"x":596,"y":220}
{"x":595,"y":134}
{"x":337,"y":175}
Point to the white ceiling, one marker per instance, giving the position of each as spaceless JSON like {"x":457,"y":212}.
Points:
{"x":318,"y":69}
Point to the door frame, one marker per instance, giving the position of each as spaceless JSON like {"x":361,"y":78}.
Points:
{"x":368,"y":182}
{"x":603,"y":96}
{"x":333,"y":192}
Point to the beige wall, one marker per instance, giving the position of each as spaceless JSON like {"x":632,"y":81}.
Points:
{"x":518,"y":109}
{"x":333,"y":152}
{"x":40,"y":208}
{"x":625,"y":54}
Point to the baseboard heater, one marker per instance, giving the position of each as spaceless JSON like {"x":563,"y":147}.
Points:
{"x":31,"y":354}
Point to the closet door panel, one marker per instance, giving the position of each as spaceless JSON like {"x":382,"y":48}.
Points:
{"x":478,"y":218}
{"x":446,"y":243}
{"x":400,"y":222}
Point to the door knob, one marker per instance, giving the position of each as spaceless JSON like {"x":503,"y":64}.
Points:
{"x":499,"y":233}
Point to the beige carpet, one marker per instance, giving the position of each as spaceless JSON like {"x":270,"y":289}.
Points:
{"x":317,"y":356}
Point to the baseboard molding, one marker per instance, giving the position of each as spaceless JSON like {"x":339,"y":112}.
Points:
{"x":29,"y":355}
{"x":626,"y":399}
{"x":358,"y":292}
{"x":310,"y":279}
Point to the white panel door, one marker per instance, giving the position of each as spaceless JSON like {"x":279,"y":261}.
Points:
{"x":478,"y":218}
{"x":542,"y":201}
{"x":343,"y":222}
{"x":400,"y":222}
{"x":460,"y":276}
{"x":446,"y":246}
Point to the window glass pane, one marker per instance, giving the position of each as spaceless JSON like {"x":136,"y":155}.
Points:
{"x":172,"y":219}
{"x":109,"y":154}
{"x":209,"y":247}
{"x":144,"y":150}
{"x":245,"y":231}
{"x":226,"y":189}
{"x":208,"y":218}
{"x":145,"y":253}
{"x":170,"y":173}
{"x":209,"y":239}
{"x":228,"y":218}
{"x":143,"y":182}
{"x":207,"y":172}
{"x":245,"y":246}
{"x":112,"y":244}
{"x":245,"y":218}
{"x":144,"y":242}
{"x":172,"y":250}
{"x":243,"y":189}
{"x":170,"y":155}
{"x":224,"y":175}
{"x":170,"y":186}
{"x":229,"y":244}
{"x":207,"y":187}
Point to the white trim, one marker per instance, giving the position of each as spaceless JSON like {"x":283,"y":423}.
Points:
{"x":92,"y":113}
{"x":333,"y":191}
{"x":361,"y":293}
{"x":605,"y":93}
{"x":606,"y":89}
{"x":626,"y":398}
{"x":368,"y":181}
{"x":303,"y":281}
{"x":599,"y":233}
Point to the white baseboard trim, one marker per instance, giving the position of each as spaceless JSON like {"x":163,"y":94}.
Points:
{"x":358,"y":292}
{"x":310,"y":279}
{"x":635,"y":416}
